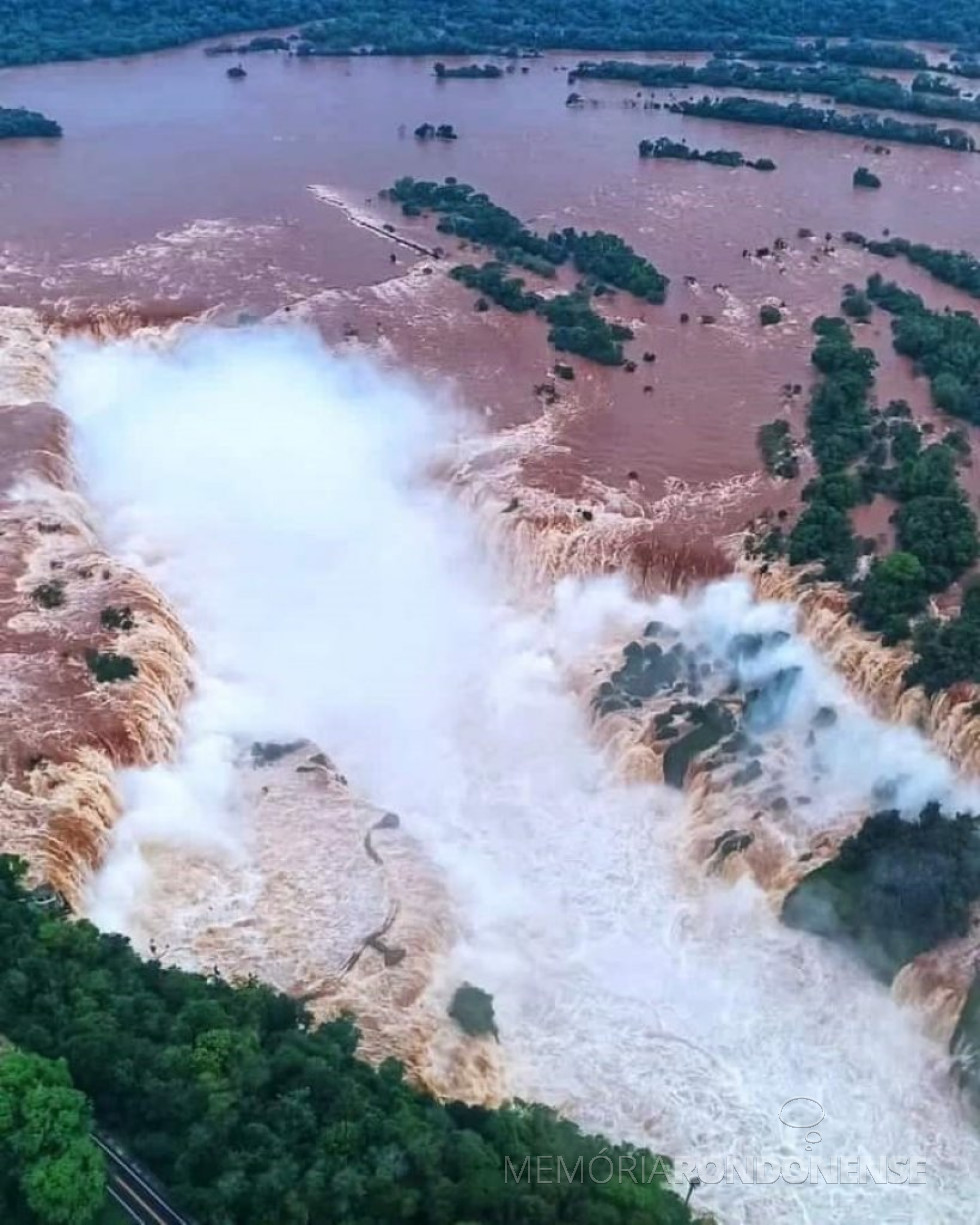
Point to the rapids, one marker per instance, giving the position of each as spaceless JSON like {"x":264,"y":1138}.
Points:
{"x":282,"y":500}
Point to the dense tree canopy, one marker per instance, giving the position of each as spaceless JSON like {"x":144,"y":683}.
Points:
{"x":16,"y":122}
{"x":841,"y":82}
{"x":944,"y":345}
{"x":37,"y":30}
{"x":679,"y":150}
{"x":959,"y":268}
{"x":251,"y":1114}
{"x":51,"y":1171}
{"x":604,"y":260}
{"x":898,"y":887}
{"x":867,"y":126}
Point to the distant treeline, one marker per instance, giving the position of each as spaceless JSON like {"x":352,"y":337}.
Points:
{"x":38,"y":30}
{"x":663,"y":147}
{"x":842,"y":83}
{"x":815,"y":119}
{"x":18,"y":122}
{"x":604,"y":261}
{"x":263,"y":42}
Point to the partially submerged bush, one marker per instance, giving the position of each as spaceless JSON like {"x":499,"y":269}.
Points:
{"x":107,"y":666}
{"x":472,"y":1010}
{"x":49,"y":595}
{"x":114,"y":618}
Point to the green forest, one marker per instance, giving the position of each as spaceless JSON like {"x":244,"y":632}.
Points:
{"x":248,"y":1111}
{"x":39,"y":30}
{"x":18,"y":123}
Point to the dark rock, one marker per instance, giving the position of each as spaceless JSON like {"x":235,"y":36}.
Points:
{"x":731,"y":842}
{"x":765,"y":705}
{"x":267,"y":752}
{"x":748,"y":774}
{"x":714,"y":723}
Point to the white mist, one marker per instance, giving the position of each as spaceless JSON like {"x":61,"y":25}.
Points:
{"x":280,"y":497}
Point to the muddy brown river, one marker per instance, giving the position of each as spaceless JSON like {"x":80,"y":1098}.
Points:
{"x":176,"y":189}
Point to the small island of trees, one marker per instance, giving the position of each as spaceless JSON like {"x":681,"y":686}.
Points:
{"x":663,"y":147}
{"x":17,"y":123}
{"x":430,"y":131}
{"x":814,"y":119}
{"x":958,"y":268}
{"x":468,"y":72}
{"x":604,"y":261}
{"x":863,"y":177}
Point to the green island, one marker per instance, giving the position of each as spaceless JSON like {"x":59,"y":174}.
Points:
{"x":603,"y":260}
{"x":663,"y":147}
{"x":863,"y":452}
{"x":40,"y":30}
{"x":896,"y":889}
{"x":778,"y":450}
{"x":431,"y":131}
{"x":842,"y":83}
{"x":863,"y":177}
{"x":468,"y":72}
{"x":816,"y":119}
{"x":250,"y":1112}
{"x":16,"y":123}
{"x":957,"y":268}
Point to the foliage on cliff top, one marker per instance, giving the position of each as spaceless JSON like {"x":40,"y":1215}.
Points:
{"x":898,"y":887}
{"x":249,"y":1112}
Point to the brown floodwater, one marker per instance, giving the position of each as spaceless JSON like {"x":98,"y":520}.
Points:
{"x":176,"y":189}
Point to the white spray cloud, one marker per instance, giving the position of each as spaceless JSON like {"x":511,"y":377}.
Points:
{"x":278,"y":495}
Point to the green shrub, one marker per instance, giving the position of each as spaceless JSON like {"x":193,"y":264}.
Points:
{"x":107,"y":666}
{"x":472,"y":1010}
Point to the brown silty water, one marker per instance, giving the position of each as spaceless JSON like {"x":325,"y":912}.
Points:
{"x":215,"y":218}
{"x":65,"y":734}
{"x":194,"y":195}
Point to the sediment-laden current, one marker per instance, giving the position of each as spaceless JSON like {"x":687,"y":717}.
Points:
{"x":342,"y":596}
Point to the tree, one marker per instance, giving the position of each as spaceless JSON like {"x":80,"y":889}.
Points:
{"x":942,"y":533}
{"x":250,"y":1112}
{"x":769,"y":314}
{"x":863,"y":177}
{"x":856,"y":304}
{"x":824,"y":533}
{"x":894,"y":590}
{"x":48,"y":1160}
